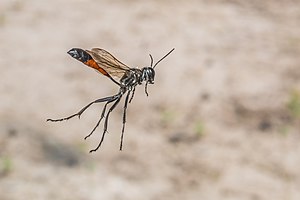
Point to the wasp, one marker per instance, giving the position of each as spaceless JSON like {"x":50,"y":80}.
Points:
{"x":127,"y":78}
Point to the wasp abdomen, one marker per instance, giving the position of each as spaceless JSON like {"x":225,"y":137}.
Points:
{"x":83,"y":56}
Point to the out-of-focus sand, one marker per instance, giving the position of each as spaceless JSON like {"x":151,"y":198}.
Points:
{"x":221,"y":121}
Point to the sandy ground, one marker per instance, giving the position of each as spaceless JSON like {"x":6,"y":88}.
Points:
{"x":221,"y":121}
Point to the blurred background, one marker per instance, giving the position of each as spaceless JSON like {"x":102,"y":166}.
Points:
{"x":221,"y":120}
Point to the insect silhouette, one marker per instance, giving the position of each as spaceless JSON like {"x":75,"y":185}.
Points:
{"x":125,"y":77}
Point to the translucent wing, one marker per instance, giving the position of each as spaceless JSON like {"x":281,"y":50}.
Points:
{"x":108,"y":62}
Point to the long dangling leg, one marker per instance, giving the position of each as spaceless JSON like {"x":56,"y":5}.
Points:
{"x":111,"y":98}
{"x":124,"y":118}
{"x":132,"y":95}
{"x":102,"y":115}
{"x":106,"y":123}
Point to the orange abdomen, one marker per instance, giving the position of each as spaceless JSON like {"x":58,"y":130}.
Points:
{"x":91,"y":63}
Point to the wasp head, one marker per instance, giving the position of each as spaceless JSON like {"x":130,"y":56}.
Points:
{"x":148,"y":75}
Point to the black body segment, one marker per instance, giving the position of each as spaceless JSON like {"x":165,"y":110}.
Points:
{"x":80,"y":54}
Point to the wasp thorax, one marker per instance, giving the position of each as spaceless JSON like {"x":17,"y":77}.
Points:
{"x":148,"y":75}
{"x":131,"y":78}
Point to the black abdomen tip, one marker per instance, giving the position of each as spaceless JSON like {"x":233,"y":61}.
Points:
{"x":79,"y":54}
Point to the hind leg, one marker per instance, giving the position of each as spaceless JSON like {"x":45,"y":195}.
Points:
{"x":106,"y":99}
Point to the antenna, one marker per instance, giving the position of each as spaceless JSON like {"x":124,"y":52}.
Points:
{"x":162,"y":58}
{"x":151,"y":60}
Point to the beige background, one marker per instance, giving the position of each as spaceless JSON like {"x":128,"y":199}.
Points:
{"x":221,"y":121}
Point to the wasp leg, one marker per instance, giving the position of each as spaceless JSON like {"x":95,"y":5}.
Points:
{"x":106,"y":122}
{"x":111,"y":98}
{"x":132,"y":95}
{"x":124,"y":119}
{"x":102,"y":115}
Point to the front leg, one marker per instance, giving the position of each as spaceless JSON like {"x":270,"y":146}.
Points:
{"x":124,"y":117}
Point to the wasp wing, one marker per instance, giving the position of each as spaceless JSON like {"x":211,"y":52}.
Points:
{"x":108,"y":62}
